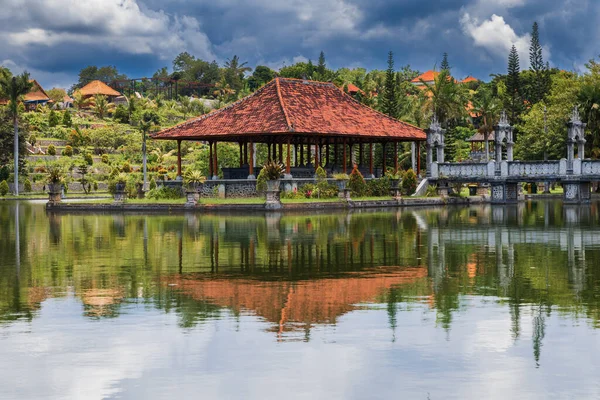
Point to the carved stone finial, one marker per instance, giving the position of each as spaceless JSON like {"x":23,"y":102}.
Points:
{"x":503,"y":119}
{"x":435,"y":124}
{"x":575,"y":118}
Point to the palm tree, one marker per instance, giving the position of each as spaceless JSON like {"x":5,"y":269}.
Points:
{"x":14,"y":88}
{"x":487,"y":107}
{"x":236,"y":67}
{"x":223,"y":90}
{"x":101,"y":105}
{"x":149,"y":120}
{"x":79,"y":101}
{"x":446,"y":98}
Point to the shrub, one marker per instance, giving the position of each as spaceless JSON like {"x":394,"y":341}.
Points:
{"x":379,"y":187}
{"x":87,"y":157}
{"x":53,"y":119}
{"x":67,"y":121}
{"x":3,"y":188}
{"x":409,"y":182}
{"x":261,"y":181}
{"x":325,"y":191}
{"x":152,"y":184}
{"x":431,"y":191}
{"x":51,"y":150}
{"x":32,"y":139}
{"x":68,"y":151}
{"x":121,"y":114}
{"x":321,"y":174}
{"x":95,"y":186}
{"x":105,"y":158}
{"x":163,"y":193}
{"x":308,"y":189}
{"x":4,"y":173}
{"x":126,"y":167}
{"x":27,"y":185}
{"x":357,"y":184}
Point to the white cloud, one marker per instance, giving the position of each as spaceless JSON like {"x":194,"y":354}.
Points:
{"x":497,"y":37}
{"x":118,"y":24}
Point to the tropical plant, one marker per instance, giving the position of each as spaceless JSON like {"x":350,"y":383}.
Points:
{"x":121,"y":178}
{"x":273,"y":170}
{"x":445,"y":97}
{"x":487,"y":107}
{"x":68,"y":151}
{"x":341,"y":177}
{"x":101,"y":106}
{"x":193,"y":178}
{"x":56,"y":173}
{"x":149,"y":120}
{"x":13,"y":88}
{"x":80,"y":101}
{"x":27,"y":185}
{"x":51,"y":150}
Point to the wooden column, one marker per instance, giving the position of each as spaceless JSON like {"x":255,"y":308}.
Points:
{"x":179,"y":158}
{"x":345,"y":158}
{"x":383,"y":161}
{"x":371,"y":159}
{"x":335,"y":153}
{"x":216,"y":166}
{"x":317,"y":155}
{"x":360,"y":154}
{"x":210,"y":160}
{"x":296,"y":152}
{"x":395,"y":157}
{"x":327,"y":154}
{"x":308,"y":154}
{"x":251,"y":161}
{"x":281,"y":153}
{"x":288,"y":164}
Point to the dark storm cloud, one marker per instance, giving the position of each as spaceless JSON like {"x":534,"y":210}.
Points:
{"x":56,"y":38}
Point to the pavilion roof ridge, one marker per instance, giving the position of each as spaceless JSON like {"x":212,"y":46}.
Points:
{"x":285,"y":113}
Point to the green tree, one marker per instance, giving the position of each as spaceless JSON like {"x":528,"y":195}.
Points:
{"x":235,"y":71}
{"x":53,"y":119}
{"x":13,"y":88}
{"x":446,"y":98}
{"x":513,"y":85}
{"x":487,"y":107}
{"x":533,"y":142}
{"x":445,"y":65}
{"x":540,"y":84}
{"x":390,"y":100}
{"x":589,"y":103}
{"x":67,"y":120}
{"x":322,"y":66}
{"x":150,"y":119}
{"x":260,"y":76}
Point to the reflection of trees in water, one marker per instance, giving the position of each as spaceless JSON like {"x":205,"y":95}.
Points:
{"x":483,"y":251}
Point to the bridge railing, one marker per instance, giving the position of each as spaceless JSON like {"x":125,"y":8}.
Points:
{"x":516,"y":169}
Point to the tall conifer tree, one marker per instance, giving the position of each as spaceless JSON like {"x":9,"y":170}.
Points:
{"x":321,"y":67}
{"x":390,"y":101}
{"x":538,"y":68}
{"x":513,"y":83}
{"x":445,"y":65}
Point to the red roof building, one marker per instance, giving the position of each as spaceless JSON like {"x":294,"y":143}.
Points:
{"x":300,"y":113}
{"x":427,"y":77}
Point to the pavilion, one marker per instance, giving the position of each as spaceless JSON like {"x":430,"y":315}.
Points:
{"x":98,"y":88}
{"x":317,"y":122}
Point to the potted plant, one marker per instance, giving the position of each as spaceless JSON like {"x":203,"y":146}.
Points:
{"x":273,"y":172}
{"x":192,"y":180}
{"x":342,"y":183}
{"x":120,"y":184}
{"x":55,"y":180}
{"x":395,"y":178}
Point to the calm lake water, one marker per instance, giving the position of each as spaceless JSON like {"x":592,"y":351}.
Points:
{"x":458,"y":303}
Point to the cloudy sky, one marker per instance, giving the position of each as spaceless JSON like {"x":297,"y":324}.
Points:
{"x":54,"y":39}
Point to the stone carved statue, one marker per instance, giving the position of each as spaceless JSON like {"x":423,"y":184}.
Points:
{"x":504,"y":132}
{"x":575,"y":135}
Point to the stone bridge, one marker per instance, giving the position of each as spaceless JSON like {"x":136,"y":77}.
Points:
{"x":504,"y":174}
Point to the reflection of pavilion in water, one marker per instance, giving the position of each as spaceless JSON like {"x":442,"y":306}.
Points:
{"x":297,"y":305}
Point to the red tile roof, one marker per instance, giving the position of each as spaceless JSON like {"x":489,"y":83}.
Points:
{"x":353,"y":89}
{"x":428,"y":76}
{"x":469,"y":79}
{"x":291,"y":106}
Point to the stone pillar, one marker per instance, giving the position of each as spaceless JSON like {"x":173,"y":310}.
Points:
{"x":435,"y":139}
{"x":576,"y":192}
{"x":503,"y":132}
{"x":575,"y":134}
{"x":413,"y":156}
